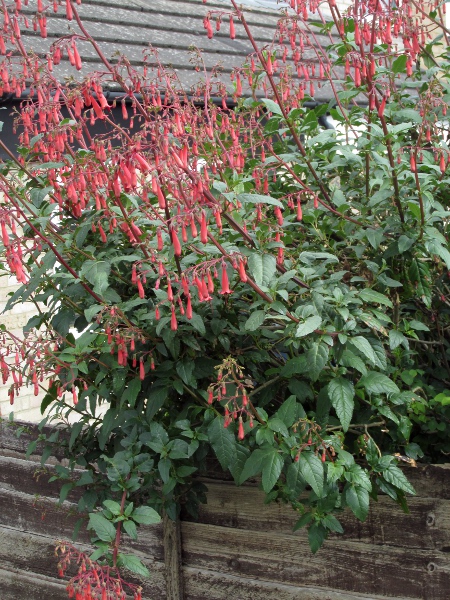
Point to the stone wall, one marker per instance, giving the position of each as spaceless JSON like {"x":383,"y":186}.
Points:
{"x":26,"y":406}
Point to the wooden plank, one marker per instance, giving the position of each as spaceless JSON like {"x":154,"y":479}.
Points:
{"x":205,"y":584}
{"x":426,"y":526}
{"x":172,"y":558}
{"x":44,"y":516}
{"x":30,"y":586}
{"x":341,"y":566}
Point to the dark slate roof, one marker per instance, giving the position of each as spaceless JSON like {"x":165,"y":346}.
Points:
{"x":172,"y":26}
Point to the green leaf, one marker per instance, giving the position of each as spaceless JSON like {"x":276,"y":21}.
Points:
{"x":295,"y":480}
{"x":348,"y":359}
{"x":419,"y":275}
{"x":236,"y":467}
{"x":271,"y":469}
{"x":288,"y":411}
{"x":317,"y":534}
{"x":399,"y":64}
{"x":396,"y":338}
{"x":277,"y":425}
{"x":198,"y":324}
{"x":332,"y":524}
{"x":404,"y":243}
{"x":316,"y":357}
{"x":112,"y":506}
{"x":145,"y":515}
{"x":272,"y":106}
{"x":364,"y":347}
{"x":311,"y":469}
{"x":369,"y":295}
{"x":262,"y":267}
{"x":185,"y":368}
{"x":341,"y":393}
{"x":222,"y":441}
{"x":259,"y":199}
{"x":133,"y":564}
{"x":64,"y":492}
{"x":357,"y":499}
{"x":255,"y":320}
{"x":304,"y":520}
{"x":377,"y":383}
{"x":396,"y":477}
{"x":131,"y":529}
{"x":131,"y":391}
{"x":90,"y":312}
{"x":103,"y":528}
{"x":97,"y":273}
{"x":252,"y":466}
{"x":308,"y":326}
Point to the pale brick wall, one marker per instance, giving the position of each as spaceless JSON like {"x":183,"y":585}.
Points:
{"x":26,"y":406}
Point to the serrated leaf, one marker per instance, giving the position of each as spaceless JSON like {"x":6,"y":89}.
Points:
{"x":103,"y":528}
{"x":377,"y":383}
{"x":364,"y":347}
{"x":112,"y":506}
{"x":308,"y":326}
{"x":316,"y":358}
{"x":145,"y":515}
{"x":277,"y":425}
{"x":271,"y":469}
{"x":294,"y":366}
{"x":288,"y":411}
{"x":341,"y":393}
{"x":255,"y":320}
{"x":252,"y":466}
{"x":348,"y":359}
{"x":304,"y":520}
{"x":396,"y":477}
{"x":262,"y":267}
{"x":369,"y":295}
{"x":379,"y":353}
{"x":133,"y":564}
{"x":131,"y":529}
{"x":311,"y":469}
{"x":419,"y":275}
{"x":131,"y":391}
{"x":357,"y":499}
{"x":405,"y":243}
{"x":222,"y":442}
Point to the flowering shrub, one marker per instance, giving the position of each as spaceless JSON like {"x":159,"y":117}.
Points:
{"x":237,"y":282}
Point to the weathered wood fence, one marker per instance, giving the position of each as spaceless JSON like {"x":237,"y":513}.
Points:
{"x":239,"y":549}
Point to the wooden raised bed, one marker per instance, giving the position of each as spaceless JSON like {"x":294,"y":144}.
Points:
{"x":239,"y":548}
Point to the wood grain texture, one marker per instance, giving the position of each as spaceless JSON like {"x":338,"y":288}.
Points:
{"x":240,"y":548}
{"x":172,"y":558}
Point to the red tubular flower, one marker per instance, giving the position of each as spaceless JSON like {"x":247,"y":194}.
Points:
{"x":232,"y":28}
{"x":225,"y":282}
{"x":176,"y":243}
{"x":242,"y":273}
{"x":173,"y":320}
{"x":203,"y":230}
{"x":241,"y":429}
{"x":141,"y":370}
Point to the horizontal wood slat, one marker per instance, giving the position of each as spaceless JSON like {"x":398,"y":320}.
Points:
{"x":240,"y":548}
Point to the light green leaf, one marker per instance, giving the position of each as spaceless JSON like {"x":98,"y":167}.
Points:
{"x":377,"y":383}
{"x":131,"y":529}
{"x":255,"y":320}
{"x":90,"y":312}
{"x":348,"y":359}
{"x":133,"y":564}
{"x":272,"y":106}
{"x":341,"y":393}
{"x":103,"y":528}
{"x":311,"y":469}
{"x":308,"y":326}
{"x":145,"y":515}
{"x":396,"y":338}
{"x":259,"y":199}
